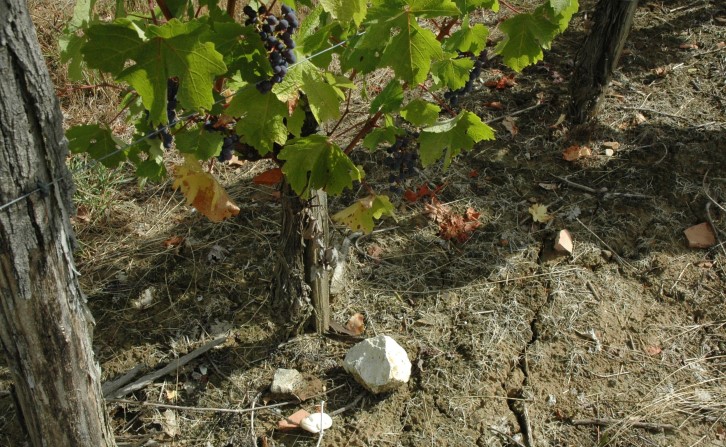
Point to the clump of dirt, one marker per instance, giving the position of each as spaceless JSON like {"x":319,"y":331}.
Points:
{"x":620,"y":343}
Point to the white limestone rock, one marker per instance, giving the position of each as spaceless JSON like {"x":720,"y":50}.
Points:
{"x":316,"y":422}
{"x":286,"y":381}
{"x":379,"y":364}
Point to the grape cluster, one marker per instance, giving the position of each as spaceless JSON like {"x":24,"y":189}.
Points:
{"x":172,"y":88}
{"x":479,"y":62}
{"x":228,"y":146}
{"x":276,"y":34}
{"x":401,"y":161}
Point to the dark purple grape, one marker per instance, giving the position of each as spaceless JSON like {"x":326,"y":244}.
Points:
{"x":282,"y":25}
{"x":289,"y":56}
{"x":285,"y":9}
{"x":262,"y":9}
{"x":272,"y":20}
{"x":266,"y":29}
{"x":264,"y":86}
{"x":276,"y":79}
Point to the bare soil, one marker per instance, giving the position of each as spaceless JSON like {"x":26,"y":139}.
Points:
{"x":621,"y":343}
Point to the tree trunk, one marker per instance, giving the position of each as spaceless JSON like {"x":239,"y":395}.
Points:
{"x":301,"y":284}
{"x":598,"y":56}
{"x":44,"y":323}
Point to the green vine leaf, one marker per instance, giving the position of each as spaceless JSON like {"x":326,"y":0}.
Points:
{"x":261,"y":118}
{"x":98,"y":142}
{"x":346,"y":10}
{"x":468,"y":39}
{"x":452,"y":72}
{"x":198,"y":142}
{"x":175,"y":49}
{"x":389,"y":99}
{"x":411,"y":51}
{"x":452,"y":136}
{"x":98,"y":54}
{"x":420,"y":113}
{"x":380,"y":135}
{"x":526,"y":34}
{"x":470,"y":5}
{"x":315,"y":162}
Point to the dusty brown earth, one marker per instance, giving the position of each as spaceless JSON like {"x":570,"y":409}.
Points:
{"x":621,"y":343}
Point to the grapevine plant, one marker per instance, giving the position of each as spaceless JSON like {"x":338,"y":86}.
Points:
{"x":210,"y":85}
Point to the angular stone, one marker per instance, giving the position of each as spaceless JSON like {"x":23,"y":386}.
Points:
{"x":286,"y":381}
{"x":700,"y":236}
{"x":379,"y":364}
{"x":563,"y":242}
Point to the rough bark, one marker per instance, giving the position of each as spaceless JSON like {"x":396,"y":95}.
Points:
{"x":598,"y":56}
{"x":301,"y":285}
{"x":44,"y":323}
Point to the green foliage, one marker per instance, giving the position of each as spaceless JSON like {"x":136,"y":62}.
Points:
{"x":315,"y":162}
{"x":217,"y":61}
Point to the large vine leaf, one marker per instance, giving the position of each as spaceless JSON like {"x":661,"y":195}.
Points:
{"x":202,"y":191}
{"x":175,"y":49}
{"x":97,"y":141}
{"x":386,"y":134}
{"x":315,"y":162}
{"x":198,"y":142}
{"x":469,"y":5}
{"x":98,"y":54}
{"x":411,"y":51}
{"x":389,"y":99}
{"x":324,"y":99}
{"x":346,"y":10}
{"x":452,"y":72}
{"x":468,"y":39}
{"x":453,"y":136}
{"x":420,"y":113}
{"x":525,"y":36}
{"x":360,"y":215}
{"x":261,"y":118}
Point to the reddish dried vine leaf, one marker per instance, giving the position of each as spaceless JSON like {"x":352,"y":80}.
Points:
{"x":410,"y":196}
{"x":576,"y":152}
{"x":356,"y":324}
{"x":501,"y":83}
{"x":174,"y":241}
{"x":270,"y":177}
{"x":452,"y":225}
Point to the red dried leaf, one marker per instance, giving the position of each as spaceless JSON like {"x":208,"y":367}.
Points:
{"x":174,"y":241}
{"x":575,"y":152}
{"x":473,"y":173}
{"x":356,"y":324}
{"x":410,"y":196}
{"x":495,"y":105}
{"x":271,"y":177}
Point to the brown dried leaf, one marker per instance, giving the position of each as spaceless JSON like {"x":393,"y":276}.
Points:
{"x":576,"y":152}
{"x":510,"y":124}
{"x":356,"y":324}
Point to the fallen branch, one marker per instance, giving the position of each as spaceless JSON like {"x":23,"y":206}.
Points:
{"x":173,"y":366}
{"x":203,"y":409}
{"x":110,"y":387}
{"x":604,"y":422}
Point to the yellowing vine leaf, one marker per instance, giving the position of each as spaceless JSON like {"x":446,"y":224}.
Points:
{"x":203,"y":192}
{"x":539,"y":213}
{"x":360,"y":215}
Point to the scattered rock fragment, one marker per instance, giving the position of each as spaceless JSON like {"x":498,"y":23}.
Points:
{"x":286,"y":381}
{"x":293,"y":421}
{"x":563,"y":242}
{"x":700,"y":236}
{"x":316,"y":422}
{"x":379,"y":364}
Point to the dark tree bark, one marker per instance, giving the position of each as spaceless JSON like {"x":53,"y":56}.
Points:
{"x":44,"y":323}
{"x":598,"y":56}
{"x":301,"y":284}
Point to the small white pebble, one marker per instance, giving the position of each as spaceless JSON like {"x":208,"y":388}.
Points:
{"x":316,"y":422}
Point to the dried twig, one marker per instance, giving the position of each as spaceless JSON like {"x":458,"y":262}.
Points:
{"x":173,"y":366}
{"x":108,"y":388}
{"x":604,"y":422}
{"x":202,"y":409}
